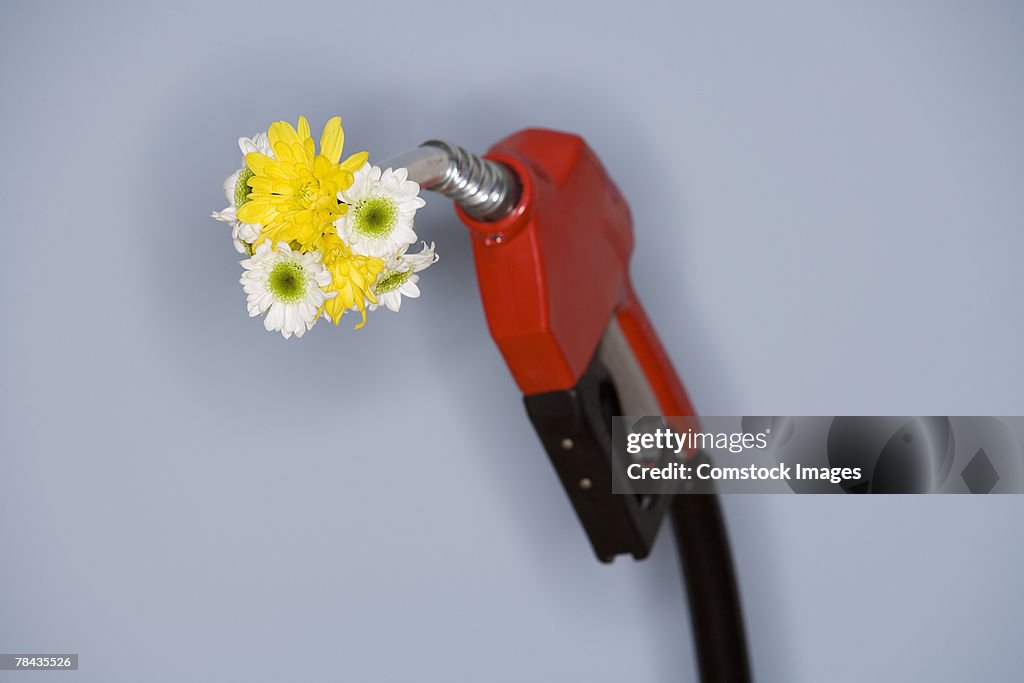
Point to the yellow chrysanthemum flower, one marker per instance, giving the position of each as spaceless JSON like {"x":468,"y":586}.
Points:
{"x":352,"y":277}
{"x":295,"y":195}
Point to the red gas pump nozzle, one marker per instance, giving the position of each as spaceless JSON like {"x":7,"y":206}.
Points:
{"x":552,"y":237}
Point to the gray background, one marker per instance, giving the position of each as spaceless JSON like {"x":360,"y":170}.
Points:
{"x":828,"y":210}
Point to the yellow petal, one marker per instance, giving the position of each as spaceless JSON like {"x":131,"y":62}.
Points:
{"x":321,"y":166}
{"x":284,"y":152}
{"x":257,"y":162}
{"x":362,"y":309}
{"x":333,"y":139}
{"x":334,"y":308}
{"x":329,"y":245}
{"x":355,"y":162}
{"x":256,"y":211}
{"x":304,"y":128}
{"x":282,"y":131}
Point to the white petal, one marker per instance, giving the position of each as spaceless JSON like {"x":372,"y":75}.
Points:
{"x":275,"y":318}
{"x":410,"y":289}
{"x":229,"y":187}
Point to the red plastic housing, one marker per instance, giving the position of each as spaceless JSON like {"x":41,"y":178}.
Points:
{"x":554,"y":272}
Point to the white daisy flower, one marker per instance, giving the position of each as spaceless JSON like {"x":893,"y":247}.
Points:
{"x":380,"y":212}
{"x":236,"y":191}
{"x":399,"y":277}
{"x":286,"y":285}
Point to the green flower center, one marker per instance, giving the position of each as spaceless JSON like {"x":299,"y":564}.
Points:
{"x":242,"y":188}
{"x":287,"y":282}
{"x":391,"y":282}
{"x":375,"y":217}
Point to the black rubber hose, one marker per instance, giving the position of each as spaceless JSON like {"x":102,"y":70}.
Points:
{"x":715,"y":611}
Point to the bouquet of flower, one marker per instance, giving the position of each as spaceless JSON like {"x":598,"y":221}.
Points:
{"x":323,"y":236}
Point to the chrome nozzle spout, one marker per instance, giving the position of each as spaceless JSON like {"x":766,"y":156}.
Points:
{"x":486,"y":190}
